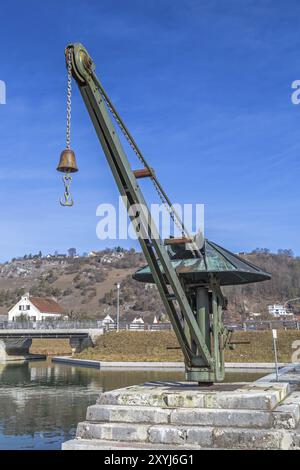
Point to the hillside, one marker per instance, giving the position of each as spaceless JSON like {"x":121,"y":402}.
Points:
{"x":86,"y":286}
{"x":284,"y":285}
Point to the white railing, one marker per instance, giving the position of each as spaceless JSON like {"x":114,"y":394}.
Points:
{"x":55,"y":325}
{"x":96,"y":324}
{"x":266,"y":325}
{"x":87,"y":324}
{"x":137,"y":326}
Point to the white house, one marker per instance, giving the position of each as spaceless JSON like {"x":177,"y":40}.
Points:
{"x":279,"y":310}
{"x":138,"y":320}
{"x":35,"y":309}
{"x":108,"y":320}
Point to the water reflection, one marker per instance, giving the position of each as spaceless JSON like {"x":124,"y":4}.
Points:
{"x":42,"y":402}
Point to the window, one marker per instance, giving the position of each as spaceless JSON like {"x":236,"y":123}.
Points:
{"x":24,"y":308}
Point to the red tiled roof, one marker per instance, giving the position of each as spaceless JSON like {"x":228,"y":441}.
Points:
{"x":45,"y":305}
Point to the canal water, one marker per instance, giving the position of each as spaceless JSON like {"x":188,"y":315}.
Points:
{"x":42,"y":402}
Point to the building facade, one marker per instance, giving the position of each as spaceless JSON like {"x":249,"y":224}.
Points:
{"x":35,"y":309}
{"x":279,"y":311}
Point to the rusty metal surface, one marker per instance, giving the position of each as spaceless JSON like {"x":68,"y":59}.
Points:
{"x":67,"y":162}
{"x":177,"y":241}
{"x":142,"y":173}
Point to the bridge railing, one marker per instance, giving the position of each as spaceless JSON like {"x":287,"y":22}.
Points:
{"x":245,"y":326}
{"x":96,"y":324}
{"x":137,"y":326}
{"x":88,"y":324}
{"x":266,"y":325}
{"x":44,"y":325}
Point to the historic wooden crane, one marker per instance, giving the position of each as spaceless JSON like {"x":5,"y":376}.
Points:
{"x":187,"y":271}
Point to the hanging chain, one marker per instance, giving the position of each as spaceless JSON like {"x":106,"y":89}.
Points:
{"x":167,"y":206}
{"x":170,"y":210}
{"x":69,"y":100}
{"x":67,"y":178}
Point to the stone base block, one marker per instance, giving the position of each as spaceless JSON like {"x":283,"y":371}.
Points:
{"x":184,"y":395}
{"x":113,"y":431}
{"x":183,"y":416}
{"x":98,"y":444}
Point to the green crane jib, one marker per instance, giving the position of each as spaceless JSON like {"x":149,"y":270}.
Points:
{"x":189,"y":284}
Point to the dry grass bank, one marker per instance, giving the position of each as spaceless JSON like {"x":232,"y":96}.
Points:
{"x":135,"y":346}
{"x":260,"y":347}
{"x":161,"y":346}
{"x":51,"y":347}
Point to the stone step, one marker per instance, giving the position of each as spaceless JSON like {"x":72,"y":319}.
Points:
{"x":202,"y":437}
{"x":128,"y":414}
{"x":262,"y":396}
{"x":221,"y":418}
{"x":113,"y":431}
{"x":221,"y":438}
{"x":98,"y":444}
{"x":183,"y":416}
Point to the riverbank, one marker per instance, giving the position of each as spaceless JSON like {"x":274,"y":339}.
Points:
{"x":162,"y":346}
{"x":230,"y":366}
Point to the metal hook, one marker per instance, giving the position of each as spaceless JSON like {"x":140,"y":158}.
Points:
{"x":68,"y":200}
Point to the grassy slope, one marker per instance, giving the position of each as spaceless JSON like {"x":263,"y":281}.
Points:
{"x":74,"y":301}
{"x":260,"y":347}
{"x":52,"y":347}
{"x":152,"y":346}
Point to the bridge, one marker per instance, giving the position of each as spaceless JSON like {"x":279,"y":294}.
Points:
{"x":16,"y":337}
{"x":15,"y":343}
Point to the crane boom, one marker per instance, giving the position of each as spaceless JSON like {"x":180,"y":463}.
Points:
{"x":203,"y":355}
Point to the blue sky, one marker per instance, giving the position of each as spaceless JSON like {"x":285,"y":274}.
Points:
{"x":205,"y":88}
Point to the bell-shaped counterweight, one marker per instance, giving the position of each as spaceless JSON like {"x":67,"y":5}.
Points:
{"x":67,"y":162}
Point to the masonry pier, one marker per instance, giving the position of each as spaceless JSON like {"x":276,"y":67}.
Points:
{"x":179,"y":415}
{"x":15,"y":344}
{"x":14,"y":348}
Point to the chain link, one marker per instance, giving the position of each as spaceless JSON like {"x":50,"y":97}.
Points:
{"x":169,"y":209}
{"x":69,"y":100}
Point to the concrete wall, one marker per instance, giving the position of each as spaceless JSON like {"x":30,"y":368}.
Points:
{"x":14,"y":348}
